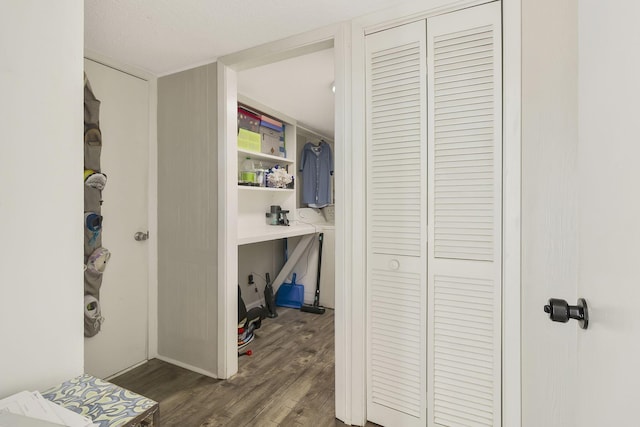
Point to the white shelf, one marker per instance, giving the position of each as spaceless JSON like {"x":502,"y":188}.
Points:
{"x":253,"y":202}
{"x":261,"y":156}
{"x":273,"y":232}
{"x":251,"y":188}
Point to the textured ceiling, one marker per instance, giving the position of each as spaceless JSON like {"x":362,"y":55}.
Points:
{"x":162,"y":36}
{"x":299,"y":87}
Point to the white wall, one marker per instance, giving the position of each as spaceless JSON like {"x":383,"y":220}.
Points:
{"x":549,"y":206}
{"x":41,"y":205}
{"x":258,"y":258}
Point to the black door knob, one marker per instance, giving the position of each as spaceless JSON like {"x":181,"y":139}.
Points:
{"x":560,"y":311}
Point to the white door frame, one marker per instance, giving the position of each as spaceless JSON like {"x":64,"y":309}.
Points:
{"x":511,"y":334}
{"x":350,"y":315}
{"x":152,"y":202}
{"x":511,"y":213}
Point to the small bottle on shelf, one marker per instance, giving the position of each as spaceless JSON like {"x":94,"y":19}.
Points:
{"x":261,"y":174}
{"x":247,"y":174}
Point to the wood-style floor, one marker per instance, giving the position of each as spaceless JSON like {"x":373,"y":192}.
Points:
{"x":288,"y":381}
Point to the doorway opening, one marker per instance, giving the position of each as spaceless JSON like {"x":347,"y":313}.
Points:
{"x":229,"y":81}
{"x":301,"y":88}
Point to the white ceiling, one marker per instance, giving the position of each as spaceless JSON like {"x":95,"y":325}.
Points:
{"x":299,"y":87}
{"x":163,"y":36}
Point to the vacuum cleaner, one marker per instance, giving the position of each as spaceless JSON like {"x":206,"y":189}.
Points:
{"x":316,"y":308}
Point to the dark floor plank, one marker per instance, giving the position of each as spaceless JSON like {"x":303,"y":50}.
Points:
{"x":289,"y":380}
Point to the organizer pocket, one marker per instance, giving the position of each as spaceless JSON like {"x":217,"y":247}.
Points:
{"x":97,"y":261}
{"x":92,"y":316}
{"x":92,"y":283}
{"x":92,"y":199}
{"x":92,"y":149}
{"x":91,"y":107}
{"x":92,"y":232}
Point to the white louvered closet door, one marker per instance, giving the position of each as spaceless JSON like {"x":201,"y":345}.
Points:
{"x":396,"y":226}
{"x":465,"y":222}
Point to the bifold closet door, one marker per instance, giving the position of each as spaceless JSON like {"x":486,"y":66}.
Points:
{"x":465,"y":221}
{"x":434,"y":196}
{"x":396,"y":226}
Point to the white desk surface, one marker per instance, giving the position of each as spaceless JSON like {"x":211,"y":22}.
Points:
{"x":272,"y":232}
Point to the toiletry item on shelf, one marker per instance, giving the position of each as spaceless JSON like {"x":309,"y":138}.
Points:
{"x":247,"y":173}
{"x":261,"y":173}
{"x":278,"y":177}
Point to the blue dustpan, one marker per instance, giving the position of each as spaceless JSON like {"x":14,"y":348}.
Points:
{"x":290,"y":294}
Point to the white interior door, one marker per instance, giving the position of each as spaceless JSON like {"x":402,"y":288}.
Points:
{"x":124,"y":122}
{"x":609,"y":209}
{"x":396,"y":226}
{"x":589,"y":377}
{"x":465,"y":222}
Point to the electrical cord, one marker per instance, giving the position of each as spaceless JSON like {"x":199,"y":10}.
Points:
{"x":262,"y":299}
{"x":315,"y":226}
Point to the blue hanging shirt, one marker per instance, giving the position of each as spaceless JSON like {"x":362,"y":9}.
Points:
{"x":316,"y":167}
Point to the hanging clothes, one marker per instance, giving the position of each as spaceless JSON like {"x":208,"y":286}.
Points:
{"x":316,"y":167}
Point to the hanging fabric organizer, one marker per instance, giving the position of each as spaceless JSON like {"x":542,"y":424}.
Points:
{"x":95,"y":256}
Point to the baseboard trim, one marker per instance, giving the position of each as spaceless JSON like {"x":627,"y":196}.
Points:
{"x":187,"y":366}
{"x":124,"y":371}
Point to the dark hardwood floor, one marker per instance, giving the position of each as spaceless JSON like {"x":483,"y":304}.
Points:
{"x":288,"y":381}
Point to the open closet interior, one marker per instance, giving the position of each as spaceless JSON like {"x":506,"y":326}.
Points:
{"x":282,"y":224}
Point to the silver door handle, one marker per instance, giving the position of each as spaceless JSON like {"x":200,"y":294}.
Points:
{"x":141,"y":236}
